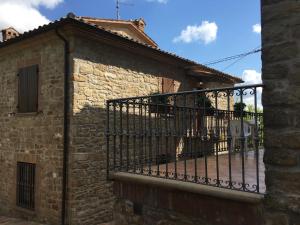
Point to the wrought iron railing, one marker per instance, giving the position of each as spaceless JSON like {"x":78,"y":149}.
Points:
{"x":204,"y":136}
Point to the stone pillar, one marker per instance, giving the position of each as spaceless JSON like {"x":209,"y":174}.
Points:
{"x":281,"y":101}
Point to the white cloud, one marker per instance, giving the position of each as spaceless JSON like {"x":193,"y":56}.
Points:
{"x":256,"y":28}
{"x":50,"y":4}
{"x":251,"y":77}
{"x":24,"y":15}
{"x":159,"y":1}
{"x":206,"y":32}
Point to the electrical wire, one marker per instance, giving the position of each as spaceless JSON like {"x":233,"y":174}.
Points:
{"x":257,"y":49}
{"x":238,"y":57}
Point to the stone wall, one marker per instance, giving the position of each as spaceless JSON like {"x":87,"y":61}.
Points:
{"x":281,"y":97}
{"x":33,"y":137}
{"x":103,"y":72}
{"x":144,"y":204}
{"x":99,"y":72}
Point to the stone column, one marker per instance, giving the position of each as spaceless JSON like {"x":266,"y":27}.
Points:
{"x":281,"y":101}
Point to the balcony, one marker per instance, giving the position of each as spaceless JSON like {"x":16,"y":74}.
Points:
{"x":206,"y":137}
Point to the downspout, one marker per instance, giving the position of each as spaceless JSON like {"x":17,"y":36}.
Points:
{"x":66,"y":128}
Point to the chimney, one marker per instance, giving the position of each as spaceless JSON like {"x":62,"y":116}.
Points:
{"x":140,"y":24}
{"x":9,"y":33}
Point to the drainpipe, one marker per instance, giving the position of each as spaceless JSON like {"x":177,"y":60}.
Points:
{"x":66,"y":128}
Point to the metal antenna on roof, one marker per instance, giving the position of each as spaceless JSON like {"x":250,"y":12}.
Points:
{"x":118,"y":9}
{"x":118,"y":3}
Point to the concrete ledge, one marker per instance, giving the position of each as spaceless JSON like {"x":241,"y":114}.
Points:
{"x":223,"y":193}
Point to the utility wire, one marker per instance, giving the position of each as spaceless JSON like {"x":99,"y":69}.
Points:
{"x":257,"y":49}
{"x":238,"y":57}
{"x":231,"y":64}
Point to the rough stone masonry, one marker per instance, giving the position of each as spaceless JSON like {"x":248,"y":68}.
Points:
{"x":99,"y":71}
{"x":281,"y":98}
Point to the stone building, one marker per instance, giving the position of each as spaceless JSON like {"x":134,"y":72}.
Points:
{"x":55,"y":81}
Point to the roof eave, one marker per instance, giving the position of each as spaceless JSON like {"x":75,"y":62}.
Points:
{"x":179,"y":61}
{"x":36,"y":31}
{"x":203,"y":72}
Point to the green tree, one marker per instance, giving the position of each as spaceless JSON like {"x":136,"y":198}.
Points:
{"x":251,"y":108}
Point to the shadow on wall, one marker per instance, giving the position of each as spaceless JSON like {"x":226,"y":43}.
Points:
{"x":91,"y":195}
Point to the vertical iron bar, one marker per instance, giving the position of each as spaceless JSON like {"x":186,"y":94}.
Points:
{"x":256,"y":140}
{"x":216,"y":137}
{"x":166,"y":137}
{"x":21,"y":191}
{"x":229,"y":139}
{"x":26,"y":174}
{"x":242,"y":140}
{"x":18,"y":184}
{"x":170,"y":132}
{"x":32,"y":185}
{"x":29,"y":186}
{"x":141,"y":137}
{"x":22,"y":184}
{"x":185,"y":135}
{"x":190,"y":133}
{"x":107,"y":140}
{"x":121,"y":135}
{"x":145,"y":132}
{"x":195,"y":137}
{"x":157,"y":125}
{"x":34,"y":172}
{"x":175,"y":130}
{"x":134,"y":137}
{"x":127,"y":135}
{"x":204,"y":139}
{"x":25,"y":194}
{"x":114,"y":134}
{"x":150,"y":138}
{"x":161,"y":147}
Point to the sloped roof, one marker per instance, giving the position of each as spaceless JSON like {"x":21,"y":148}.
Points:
{"x":72,"y":19}
{"x":135,"y":26}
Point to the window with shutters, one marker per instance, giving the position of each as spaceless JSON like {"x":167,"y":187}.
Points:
{"x":28,"y":89}
{"x":25,"y":185}
{"x":168,"y":85}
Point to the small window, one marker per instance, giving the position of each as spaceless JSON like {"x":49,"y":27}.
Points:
{"x":28,"y":89}
{"x":25,"y":185}
{"x":168,"y":85}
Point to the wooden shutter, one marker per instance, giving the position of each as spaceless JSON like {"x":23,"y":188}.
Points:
{"x":28,"y":89}
{"x":168,"y":85}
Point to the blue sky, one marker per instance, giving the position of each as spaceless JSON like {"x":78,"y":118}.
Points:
{"x":229,"y":29}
